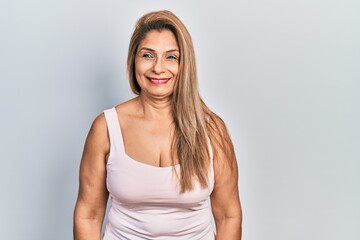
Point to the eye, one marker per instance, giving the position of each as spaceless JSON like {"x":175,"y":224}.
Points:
{"x":172,"y":57}
{"x":147,"y":55}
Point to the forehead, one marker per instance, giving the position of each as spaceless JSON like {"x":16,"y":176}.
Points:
{"x":163,"y":40}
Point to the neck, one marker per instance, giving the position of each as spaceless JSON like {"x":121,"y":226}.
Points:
{"x":155,"y":108}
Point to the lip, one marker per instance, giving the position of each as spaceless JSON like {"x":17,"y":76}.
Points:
{"x":158,"y":81}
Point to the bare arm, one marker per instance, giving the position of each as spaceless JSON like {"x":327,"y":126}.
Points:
{"x":92,"y":198}
{"x":225,"y":201}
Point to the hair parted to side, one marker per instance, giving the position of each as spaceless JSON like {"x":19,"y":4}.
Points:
{"x":194,"y":122}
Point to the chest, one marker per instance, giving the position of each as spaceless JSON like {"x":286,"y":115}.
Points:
{"x":149,"y":142}
{"x":139,"y":185}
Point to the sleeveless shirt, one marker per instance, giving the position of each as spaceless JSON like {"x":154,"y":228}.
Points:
{"x":146,"y":202}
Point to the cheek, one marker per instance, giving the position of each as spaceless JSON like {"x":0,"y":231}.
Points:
{"x":174,"y":69}
{"x":141,"y":67}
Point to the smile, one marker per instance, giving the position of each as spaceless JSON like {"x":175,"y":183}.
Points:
{"x":159,"y":80}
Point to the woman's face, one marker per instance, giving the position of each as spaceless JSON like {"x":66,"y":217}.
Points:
{"x":157,"y":63}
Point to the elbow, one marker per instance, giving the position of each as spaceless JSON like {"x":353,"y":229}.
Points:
{"x":229,"y":227}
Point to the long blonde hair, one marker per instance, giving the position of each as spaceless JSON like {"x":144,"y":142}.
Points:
{"x":190,"y":143}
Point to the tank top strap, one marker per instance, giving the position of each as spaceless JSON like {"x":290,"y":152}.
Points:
{"x":114,"y":130}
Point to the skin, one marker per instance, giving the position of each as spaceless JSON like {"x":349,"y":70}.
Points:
{"x":148,"y":119}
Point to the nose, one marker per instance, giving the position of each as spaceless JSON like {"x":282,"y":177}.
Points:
{"x":158,"y":66}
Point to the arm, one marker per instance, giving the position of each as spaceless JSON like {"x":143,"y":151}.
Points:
{"x":92,"y":198}
{"x":225,"y":201}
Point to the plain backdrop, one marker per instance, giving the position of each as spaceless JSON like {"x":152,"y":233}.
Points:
{"x":283,"y":74}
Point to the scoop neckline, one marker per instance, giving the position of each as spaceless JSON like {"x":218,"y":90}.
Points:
{"x":132,"y":159}
{"x":148,"y":165}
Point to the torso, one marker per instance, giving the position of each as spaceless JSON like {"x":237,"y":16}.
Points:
{"x":146,"y":202}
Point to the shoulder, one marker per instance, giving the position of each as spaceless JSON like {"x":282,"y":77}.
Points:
{"x":127,"y":108}
{"x":98,"y":139}
{"x":99,"y":125}
{"x":216,"y":126}
{"x":221,"y":142}
{"x":98,"y":133}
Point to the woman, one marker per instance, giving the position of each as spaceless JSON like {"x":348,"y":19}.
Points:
{"x":161,"y":155}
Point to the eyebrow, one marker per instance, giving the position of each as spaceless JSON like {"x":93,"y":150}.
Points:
{"x":152,"y":50}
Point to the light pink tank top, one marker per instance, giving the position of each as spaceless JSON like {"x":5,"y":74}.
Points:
{"x":145,"y":200}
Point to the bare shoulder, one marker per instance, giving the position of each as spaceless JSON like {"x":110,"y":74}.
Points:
{"x":99,"y":126}
{"x":99,"y":123}
{"x":98,"y":138}
{"x":128,"y":107}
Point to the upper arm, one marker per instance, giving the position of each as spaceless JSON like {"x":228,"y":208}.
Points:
{"x":92,"y":197}
{"x":225,"y":201}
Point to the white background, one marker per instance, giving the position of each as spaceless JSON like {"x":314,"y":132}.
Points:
{"x":284,"y":75}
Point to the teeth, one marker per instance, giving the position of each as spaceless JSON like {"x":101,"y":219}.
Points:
{"x":159,"y":80}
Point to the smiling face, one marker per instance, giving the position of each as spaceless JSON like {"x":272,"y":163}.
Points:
{"x":157,"y":63}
